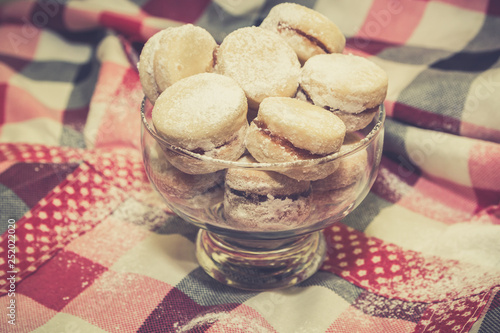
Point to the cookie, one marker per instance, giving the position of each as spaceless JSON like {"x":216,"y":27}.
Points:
{"x":287,"y":130}
{"x":195,"y":191}
{"x":338,"y":190}
{"x":258,"y":200}
{"x":349,"y":86}
{"x":262,"y":63}
{"x":205,"y":114}
{"x":173,"y":54}
{"x":350,"y":169}
{"x":307,"y":31}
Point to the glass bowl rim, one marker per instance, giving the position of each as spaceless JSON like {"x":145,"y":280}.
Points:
{"x":360,"y":145}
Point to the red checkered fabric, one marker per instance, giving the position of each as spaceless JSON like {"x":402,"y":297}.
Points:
{"x":97,"y":251}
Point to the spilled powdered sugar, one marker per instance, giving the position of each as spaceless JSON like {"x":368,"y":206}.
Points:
{"x":473,"y":243}
{"x":226,"y":321}
{"x":147,"y":214}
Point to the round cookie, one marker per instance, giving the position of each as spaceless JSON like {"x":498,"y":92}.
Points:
{"x":333,"y":204}
{"x":205,"y":114}
{"x":350,"y":86}
{"x":287,"y":129}
{"x":195,"y":191}
{"x":357,"y":121}
{"x":350,"y":170}
{"x":335,"y":192}
{"x":173,"y":54}
{"x":307,"y":31}
{"x":146,"y":66}
{"x":259,"y":200}
{"x":261,"y":62}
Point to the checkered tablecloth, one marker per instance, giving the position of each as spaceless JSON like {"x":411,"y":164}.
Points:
{"x":96,"y":250}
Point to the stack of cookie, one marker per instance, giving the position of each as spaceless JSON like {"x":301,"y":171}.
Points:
{"x":277,"y":93}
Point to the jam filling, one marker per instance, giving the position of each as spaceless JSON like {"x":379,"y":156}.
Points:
{"x":326,"y":107}
{"x":365,"y":110}
{"x":201,"y":151}
{"x":283,"y":26}
{"x":214,"y":57}
{"x":308,"y":98}
{"x":198,"y":151}
{"x":256,"y":198}
{"x":289,"y":147}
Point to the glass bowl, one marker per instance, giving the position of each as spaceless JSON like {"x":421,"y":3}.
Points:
{"x":255,"y":240}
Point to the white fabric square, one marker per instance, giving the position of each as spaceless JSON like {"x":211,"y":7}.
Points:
{"x":63,"y":322}
{"x":348,"y":17}
{"x":94,"y":120}
{"x":440,"y":154}
{"x":167,"y":258}
{"x":54,"y":95}
{"x":314,"y":308}
{"x":482,"y":99}
{"x":401,"y":226}
{"x":446,"y":27}
{"x":239,"y":8}
{"x":111,"y":49}
{"x":116,"y":6}
{"x":77,"y":53}
{"x":42,"y":131}
{"x":466,"y":242}
{"x":400,"y":75}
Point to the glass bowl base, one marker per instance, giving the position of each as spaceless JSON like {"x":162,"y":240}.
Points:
{"x":260,"y":264}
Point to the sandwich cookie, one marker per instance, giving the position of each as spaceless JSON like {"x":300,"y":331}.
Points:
{"x":205,"y":114}
{"x":259,"y":200}
{"x":260,"y":61}
{"x":349,"y":86}
{"x":338,"y":190}
{"x":173,"y":54}
{"x":195,"y":191}
{"x":351,"y":167}
{"x":288,"y":129}
{"x":307,"y":31}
